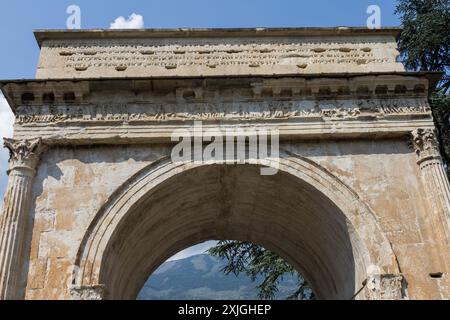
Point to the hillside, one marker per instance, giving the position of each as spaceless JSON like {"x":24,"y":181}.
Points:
{"x":200,"y":278}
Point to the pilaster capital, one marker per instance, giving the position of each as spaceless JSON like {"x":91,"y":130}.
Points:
{"x":425,"y":144}
{"x":24,"y":154}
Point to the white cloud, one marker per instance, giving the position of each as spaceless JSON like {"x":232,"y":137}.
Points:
{"x":6,"y":130}
{"x":135,"y":21}
{"x":6,"y":118}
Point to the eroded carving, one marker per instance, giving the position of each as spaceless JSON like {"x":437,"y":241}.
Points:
{"x":306,"y":110}
{"x":24,"y":154}
{"x":159,"y":54}
{"x":94,"y":292}
{"x":386,"y":287}
{"x":425,"y":144}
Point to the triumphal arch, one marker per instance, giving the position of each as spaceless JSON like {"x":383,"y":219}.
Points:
{"x":360,"y":203}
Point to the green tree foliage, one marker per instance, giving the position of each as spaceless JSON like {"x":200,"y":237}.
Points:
{"x":425,"y":40}
{"x":258,"y":262}
{"x":425,"y":46}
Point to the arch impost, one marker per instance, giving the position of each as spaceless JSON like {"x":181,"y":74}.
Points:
{"x":88,"y":292}
{"x":386,"y":287}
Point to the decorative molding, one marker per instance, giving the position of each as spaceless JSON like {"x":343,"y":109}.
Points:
{"x":50,"y":93}
{"x":269,"y":110}
{"x":24,"y":154}
{"x":145,"y":110}
{"x":126,"y":133}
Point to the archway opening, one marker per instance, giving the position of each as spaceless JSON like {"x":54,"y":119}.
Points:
{"x":282,"y":213}
{"x":226,"y":270}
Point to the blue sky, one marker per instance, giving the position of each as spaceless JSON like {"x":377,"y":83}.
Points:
{"x":19,"y":52}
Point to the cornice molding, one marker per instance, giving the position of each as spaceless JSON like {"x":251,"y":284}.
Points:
{"x":58,"y":92}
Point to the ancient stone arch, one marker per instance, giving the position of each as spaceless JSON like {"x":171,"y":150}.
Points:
{"x":360,"y":204}
{"x":364,"y":240}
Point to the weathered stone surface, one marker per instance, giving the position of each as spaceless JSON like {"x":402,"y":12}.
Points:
{"x":216,"y":52}
{"x":87,"y":292}
{"x":360,"y":205}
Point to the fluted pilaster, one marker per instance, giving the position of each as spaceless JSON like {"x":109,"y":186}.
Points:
{"x":426,"y":147}
{"x":24,"y":157}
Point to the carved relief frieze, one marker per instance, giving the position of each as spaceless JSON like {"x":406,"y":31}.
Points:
{"x":335,"y":110}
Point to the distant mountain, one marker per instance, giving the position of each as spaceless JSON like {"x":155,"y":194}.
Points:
{"x":200,"y":277}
